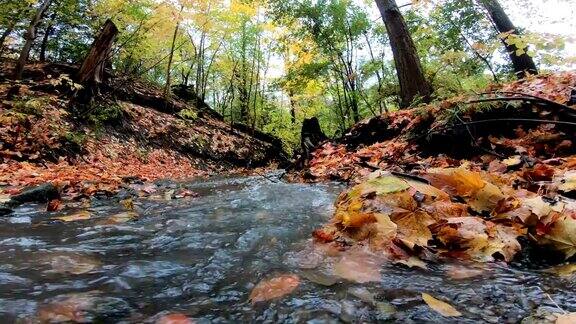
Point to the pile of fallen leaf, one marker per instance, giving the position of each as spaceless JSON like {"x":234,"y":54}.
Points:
{"x":42,"y":140}
{"x":450,"y":213}
{"x":465,"y":178}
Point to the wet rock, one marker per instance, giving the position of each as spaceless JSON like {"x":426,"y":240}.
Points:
{"x":42,"y":194}
{"x":132,"y":179}
{"x":5,"y":210}
{"x":86,"y":307}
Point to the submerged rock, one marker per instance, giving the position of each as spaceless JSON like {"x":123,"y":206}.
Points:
{"x":5,"y":210}
{"x":42,"y":194}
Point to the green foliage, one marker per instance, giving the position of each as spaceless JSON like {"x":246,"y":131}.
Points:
{"x":27,"y":106}
{"x":256,"y":62}
{"x":188,"y":114}
{"x":76,"y":138}
{"x":105,"y":113}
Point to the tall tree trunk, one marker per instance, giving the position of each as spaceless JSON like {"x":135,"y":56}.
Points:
{"x":91,"y":72}
{"x":44,"y":44}
{"x":171,"y":57}
{"x":523,"y":63}
{"x":29,"y":39}
{"x":413,"y":83}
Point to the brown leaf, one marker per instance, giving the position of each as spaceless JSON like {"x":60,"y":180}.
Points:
{"x":441,"y":307}
{"x":54,"y":205}
{"x":359,"y":266}
{"x":174,"y":318}
{"x":562,"y":236}
{"x":568,"y":318}
{"x":274,"y":288}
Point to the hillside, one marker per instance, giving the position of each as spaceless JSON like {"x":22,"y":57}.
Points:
{"x":131,"y":133}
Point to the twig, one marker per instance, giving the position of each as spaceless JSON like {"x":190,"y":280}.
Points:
{"x":527,"y":120}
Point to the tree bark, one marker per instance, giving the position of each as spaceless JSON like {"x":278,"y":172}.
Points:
{"x":44,"y":44}
{"x":171,"y":57}
{"x":413,"y":83}
{"x":523,"y":63}
{"x":29,"y":39}
{"x":91,"y":72}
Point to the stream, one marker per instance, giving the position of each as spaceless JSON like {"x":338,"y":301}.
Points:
{"x":202,"y":256}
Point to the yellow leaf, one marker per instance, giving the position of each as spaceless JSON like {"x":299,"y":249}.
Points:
{"x":413,"y":262}
{"x":81,"y":215}
{"x":119,"y":218}
{"x":566,"y":270}
{"x":127,"y":203}
{"x":512,"y":161}
{"x":563,"y":236}
{"x":413,"y":228}
{"x":441,"y":307}
{"x":385,"y":184}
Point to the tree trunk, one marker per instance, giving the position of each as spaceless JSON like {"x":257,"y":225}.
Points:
{"x":413,"y":83}
{"x":523,"y":63}
{"x":44,"y":44}
{"x":171,"y":57}
{"x":310,"y":136}
{"x":91,"y":73}
{"x":29,"y":37}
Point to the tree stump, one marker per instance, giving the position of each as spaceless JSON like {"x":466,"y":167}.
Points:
{"x":311,"y":135}
{"x":91,"y":73}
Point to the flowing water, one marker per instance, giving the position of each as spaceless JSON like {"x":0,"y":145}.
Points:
{"x":202,"y":257}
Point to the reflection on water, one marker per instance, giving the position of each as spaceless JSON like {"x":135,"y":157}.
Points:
{"x":202,"y":256}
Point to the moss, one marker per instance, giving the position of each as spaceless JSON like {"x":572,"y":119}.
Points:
{"x":188,"y":114}
{"x":103,"y":114}
{"x":75,"y":138}
{"x":33,"y":106}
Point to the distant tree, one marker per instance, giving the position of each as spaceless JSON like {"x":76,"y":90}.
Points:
{"x":521,"y":61}
{"x":29,"y":37}
{"x":413,"y":83}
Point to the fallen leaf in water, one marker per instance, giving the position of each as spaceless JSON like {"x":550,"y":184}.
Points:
{"x":568,"y":318}
{"x":565,"y":270}
{"x":562,"y":236}
{"x":128,"y":204}
{"x":119,"y":218}
{"x":72,"y":263}
{"x":81,"y":215}
{"x":54,"y":205}
{"x":441,"y":307}
{"x":319,"y":277}
{"x":174,"y":318}
{"x":413,"y":262}
{"x":459,"y":272}
{"x":274,"y":288}
{"x":358,"y":266}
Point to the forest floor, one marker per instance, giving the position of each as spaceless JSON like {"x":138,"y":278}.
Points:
{"x":132,"y":135}
{"x":476,"y":178}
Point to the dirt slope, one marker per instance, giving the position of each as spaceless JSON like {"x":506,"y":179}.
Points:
{"x":133,"y":132}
